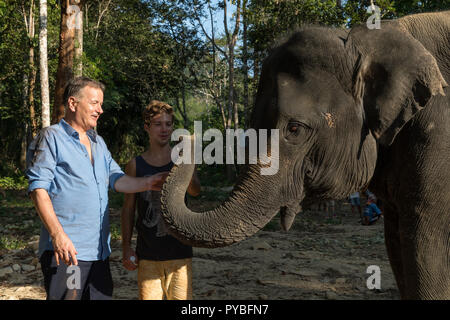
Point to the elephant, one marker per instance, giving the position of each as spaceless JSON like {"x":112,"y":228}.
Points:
{"x":355,"y":108}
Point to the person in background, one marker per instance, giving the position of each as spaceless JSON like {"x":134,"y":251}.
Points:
{"x":164,"y":264}
{"x":371,"y":213}
{"x":355,"y":202}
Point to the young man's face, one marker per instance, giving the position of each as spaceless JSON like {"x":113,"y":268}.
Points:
{"x":88,"y":107}
{"x":160,"y":129}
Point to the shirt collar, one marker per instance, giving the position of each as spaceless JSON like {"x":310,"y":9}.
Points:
{"x":73,"y":133}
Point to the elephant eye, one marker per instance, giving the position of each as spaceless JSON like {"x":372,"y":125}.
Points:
{"x":293,"y":127}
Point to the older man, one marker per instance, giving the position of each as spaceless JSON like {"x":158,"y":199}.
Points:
{"x":69,"y":171}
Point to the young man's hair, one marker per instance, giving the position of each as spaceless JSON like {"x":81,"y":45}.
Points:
{"x":75,"y":85}
{"x":154,"y":108}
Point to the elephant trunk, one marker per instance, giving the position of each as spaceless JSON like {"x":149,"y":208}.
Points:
{"x":250,"y":206}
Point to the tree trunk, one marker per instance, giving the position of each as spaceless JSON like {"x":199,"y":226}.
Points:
{"x":78,"y":57}
{"x":245,"y":62}
{"x":45,"y":98}
{"x":69,"y":10}
{"x":232,"y":106}
{"x":23,"y":145}
{"x":231,"y":102}
{"x":29,"y":23}
{"x":185,"y":117}
{"x":177,"y":104}
{"x":32,"y":84}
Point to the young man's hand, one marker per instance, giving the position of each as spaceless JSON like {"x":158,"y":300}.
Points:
{"x":127,"y":260}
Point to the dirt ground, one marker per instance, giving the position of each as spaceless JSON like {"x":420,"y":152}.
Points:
{"x":319,"y":258}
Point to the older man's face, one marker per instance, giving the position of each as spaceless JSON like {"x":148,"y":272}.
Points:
{"x":87,"y":107}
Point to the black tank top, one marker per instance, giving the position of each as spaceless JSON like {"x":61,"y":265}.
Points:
{"x":153,"y":241}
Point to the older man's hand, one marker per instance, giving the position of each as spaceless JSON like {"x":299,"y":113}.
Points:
{"x":156,"y":181}
{"x":64,"y":249}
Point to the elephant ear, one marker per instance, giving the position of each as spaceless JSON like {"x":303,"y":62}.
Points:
{"x":394,"y":77}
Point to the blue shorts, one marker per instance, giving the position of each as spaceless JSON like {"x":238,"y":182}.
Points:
{"x":355,"y":202}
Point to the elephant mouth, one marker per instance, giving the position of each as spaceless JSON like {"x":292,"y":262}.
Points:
{"x":290,"y":210}
{"x":294,"y":196}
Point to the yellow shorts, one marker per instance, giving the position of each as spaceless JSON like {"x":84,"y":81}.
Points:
{"x":171,"y":279}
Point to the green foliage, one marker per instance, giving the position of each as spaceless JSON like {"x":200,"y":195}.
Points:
{"x":115,"y":199}
{"x":13,"y":183}
{"x":19,"y":220}
{"x":271,"y":19}
{"x":115,"y":231}
{"x":405,"y":7}
{"x":11,"y":243}
{"x":14,"y":68}
{"x":144,"y":50}
{"x":356,"y":11}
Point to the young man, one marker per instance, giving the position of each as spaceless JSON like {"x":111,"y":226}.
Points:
{"x":164,"y":264}
{"x":69,"y":172}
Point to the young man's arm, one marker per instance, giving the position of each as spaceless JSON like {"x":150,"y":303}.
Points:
{"x":63,"y":246}
{"x":127,"y":219}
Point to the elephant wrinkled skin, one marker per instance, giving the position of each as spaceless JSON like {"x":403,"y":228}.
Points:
{"x":355,"y":108}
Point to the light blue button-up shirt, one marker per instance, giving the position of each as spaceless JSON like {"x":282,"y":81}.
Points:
{"x":58,"y":162}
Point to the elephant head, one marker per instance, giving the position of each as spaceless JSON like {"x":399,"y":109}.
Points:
{"x":335,"y":97}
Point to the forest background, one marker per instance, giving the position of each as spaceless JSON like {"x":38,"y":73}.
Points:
{"x":202,"y":57}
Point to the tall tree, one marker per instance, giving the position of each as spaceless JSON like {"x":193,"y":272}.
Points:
{"x":215,"y":87}
{"x":223,"y":50}
{"x":78,"y":54}
{"x":245,"y":60}
{"x":69,"y":11}
{"x":43,"y":65}
{"x":186,"y":47}
{"x":231,"y":44}
{"x":30,"y":82}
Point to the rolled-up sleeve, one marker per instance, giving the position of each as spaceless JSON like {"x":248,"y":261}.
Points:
{"x":41,"y":162}
{"x":113,"y":177}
